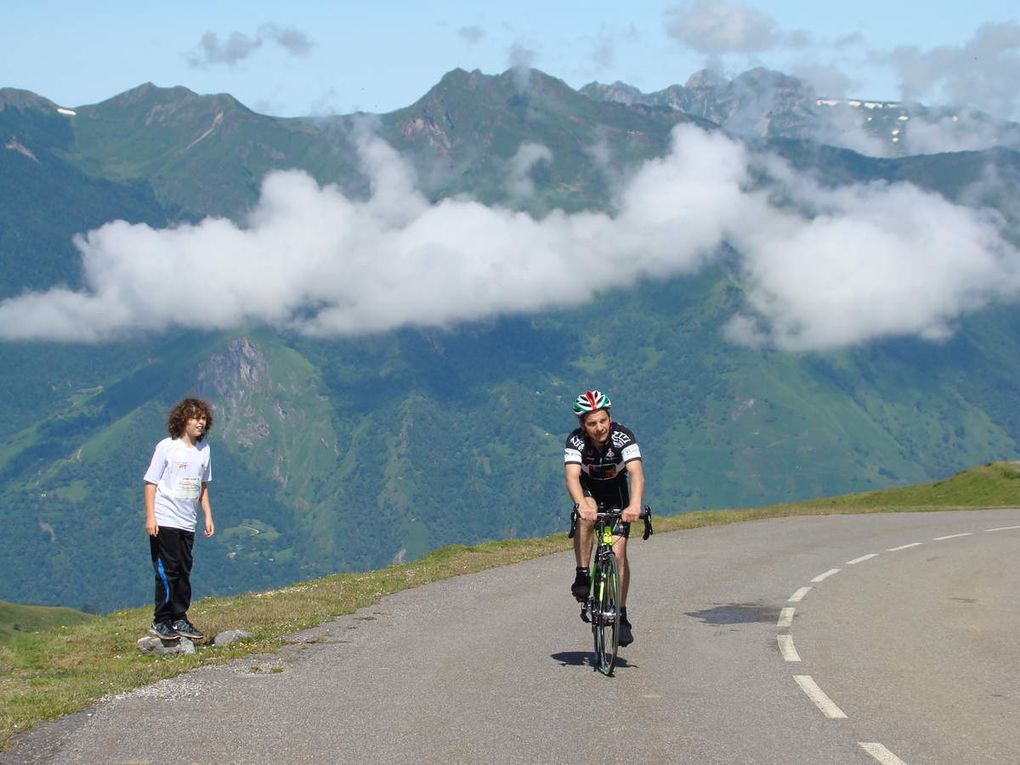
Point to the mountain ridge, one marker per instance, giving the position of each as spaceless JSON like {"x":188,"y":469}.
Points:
{"x":341,"y":454}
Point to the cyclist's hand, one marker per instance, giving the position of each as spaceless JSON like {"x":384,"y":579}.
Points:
{"x":588,"y":510}
{"x":630,"y":513}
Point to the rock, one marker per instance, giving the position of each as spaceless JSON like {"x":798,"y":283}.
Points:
{"x":232,"y":636}
{"x":157,"y":647}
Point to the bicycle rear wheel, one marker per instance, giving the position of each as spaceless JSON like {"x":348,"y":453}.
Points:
{"x":605,"y":620}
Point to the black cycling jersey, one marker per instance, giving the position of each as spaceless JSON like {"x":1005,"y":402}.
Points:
{"x":604,"y":471}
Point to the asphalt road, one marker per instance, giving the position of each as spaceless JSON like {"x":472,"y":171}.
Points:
{"x":889,"y":638}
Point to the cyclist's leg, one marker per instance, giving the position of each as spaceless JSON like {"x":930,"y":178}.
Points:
{"x":583,"y":539}
{"x":620,"y":548}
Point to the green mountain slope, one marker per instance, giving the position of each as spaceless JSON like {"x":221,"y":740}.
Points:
{"x":347,"y":454}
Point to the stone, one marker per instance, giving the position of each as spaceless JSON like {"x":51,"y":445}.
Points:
{"x":232,"y":636}
{"x":156,"y":647}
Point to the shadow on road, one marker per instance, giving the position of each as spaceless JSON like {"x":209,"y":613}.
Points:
{"x":582,"y":659}
{"x":737,"y":613}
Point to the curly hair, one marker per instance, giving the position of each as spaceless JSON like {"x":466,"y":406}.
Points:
{"x":179,"y":415}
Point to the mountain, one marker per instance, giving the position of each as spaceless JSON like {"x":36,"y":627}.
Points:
{"x":348,"y":453}
{"x":763,"y":103}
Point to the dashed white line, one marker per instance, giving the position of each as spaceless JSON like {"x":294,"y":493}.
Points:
{"x":863,"y":558}
{"x":798,"y":596}
{"x":880,"y":753}
{"x":786,"y":648}
{"x":785,"y":618}
{"x":826,"y":575}
{"x":904,"y":547}
{"x":817,"y":695}
{"x":954,"y":536}
{"x":1004,"y":528}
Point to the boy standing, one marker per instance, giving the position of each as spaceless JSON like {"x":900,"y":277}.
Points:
{"x":176,"y":486}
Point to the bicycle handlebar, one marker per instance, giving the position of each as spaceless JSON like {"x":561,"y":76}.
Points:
{"x":613,"y":512}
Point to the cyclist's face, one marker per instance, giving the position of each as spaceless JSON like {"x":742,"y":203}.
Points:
{"x":596,"y":426}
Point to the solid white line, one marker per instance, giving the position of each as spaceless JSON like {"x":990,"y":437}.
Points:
{"x":786,"y":648}
{"x":826,"y":575}
{"x":904,"y":547}
{"x":798,"y":596}
{"x":863,"y":558}
{"x":1004,"y":528}
{"x":785,"y":618}
{"x":823,"y":702}
{"x":954,"y":536}
{"x":881,"y":754}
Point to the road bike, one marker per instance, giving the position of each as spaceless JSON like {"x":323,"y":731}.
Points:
{"x":602,"y":607}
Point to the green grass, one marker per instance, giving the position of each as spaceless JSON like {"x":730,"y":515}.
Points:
{"x":47,"y":671}
{"x":17,"y":620}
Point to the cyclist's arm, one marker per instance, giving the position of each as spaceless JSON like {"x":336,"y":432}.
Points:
{"x":636,"y":471}
{"x":586,"y":506}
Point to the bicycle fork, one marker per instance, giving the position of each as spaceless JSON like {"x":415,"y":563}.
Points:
{"x":588,"y":610}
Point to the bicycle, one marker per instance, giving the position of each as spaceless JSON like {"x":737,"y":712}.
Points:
{"x":602,"y":607}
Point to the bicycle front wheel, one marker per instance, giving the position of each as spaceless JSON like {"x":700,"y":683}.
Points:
{"x":605,"y":622}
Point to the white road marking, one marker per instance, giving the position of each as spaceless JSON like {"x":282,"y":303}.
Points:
{"x":863,"y":558}
{"x":823,"y":702}
{"x":787,"y":649}
{"x":1004,"y":528}
{"x":798,"y":596}
{"x":881,"y":754}
{"x":785,"y":618}
{"x":954,"y":536}
{"x":826,"y":575}
{"x":904,"y":547}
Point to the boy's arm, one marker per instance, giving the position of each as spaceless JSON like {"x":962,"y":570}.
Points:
{"x":149,"y":499}
{"x":210,"y":527}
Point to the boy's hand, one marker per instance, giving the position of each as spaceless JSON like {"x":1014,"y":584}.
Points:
{"x":151,"y":527}
{"x":210,"y":527}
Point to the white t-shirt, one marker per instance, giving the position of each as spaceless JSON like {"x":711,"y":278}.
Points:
{"x":178,"y":472}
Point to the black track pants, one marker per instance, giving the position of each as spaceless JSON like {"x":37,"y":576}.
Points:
{"x":172,"y":560}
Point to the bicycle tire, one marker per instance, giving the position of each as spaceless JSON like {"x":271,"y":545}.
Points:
{"x":605,"y":623}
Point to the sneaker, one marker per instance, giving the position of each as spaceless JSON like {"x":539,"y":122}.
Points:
{"x":582,"y":584}
{"x":625,"y":637}
{"x":164,"y":631}
{"x":184,"y":628}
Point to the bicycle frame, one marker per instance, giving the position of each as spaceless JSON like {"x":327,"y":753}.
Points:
{"x":602,"y":607}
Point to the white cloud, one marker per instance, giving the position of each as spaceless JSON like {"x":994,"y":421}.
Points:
{"x":827,"y":269}
{"x":876,"y":261}
{"x":527,"y":156}
{"x":717,"y":27}
{"x":983,"y":72}
{"x":238,"y":46}
{"x":472,"y":34}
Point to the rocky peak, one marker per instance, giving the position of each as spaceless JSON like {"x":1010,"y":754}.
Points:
{"x":232,"y":379}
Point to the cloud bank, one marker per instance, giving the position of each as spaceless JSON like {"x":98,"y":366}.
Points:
{"x":822,"y":268}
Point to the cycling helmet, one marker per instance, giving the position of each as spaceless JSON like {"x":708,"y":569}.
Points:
{"x":591,"y":401}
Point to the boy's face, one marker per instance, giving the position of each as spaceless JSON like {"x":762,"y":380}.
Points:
{"x":596,"y":426}
{"x":195,"y":426}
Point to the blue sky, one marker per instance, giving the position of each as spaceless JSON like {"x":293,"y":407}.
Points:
{"x":338,"y":57}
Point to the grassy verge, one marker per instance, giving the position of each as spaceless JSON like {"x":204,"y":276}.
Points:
{"x":56,"y":671}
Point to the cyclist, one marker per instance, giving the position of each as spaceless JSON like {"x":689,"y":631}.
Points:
{"x":599,"y":458}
